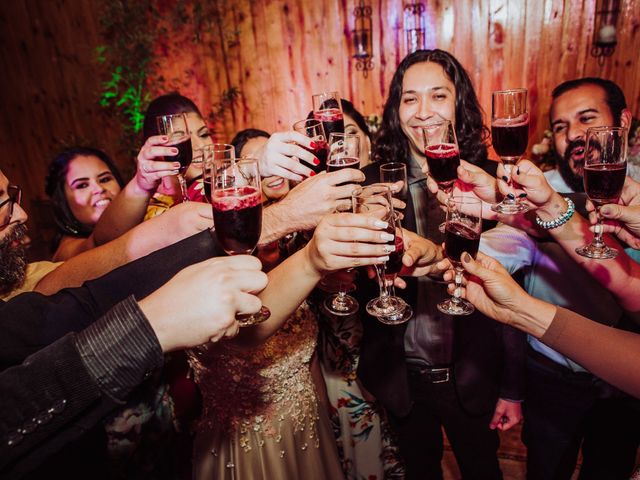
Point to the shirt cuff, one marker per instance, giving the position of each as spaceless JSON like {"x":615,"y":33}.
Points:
{"x":120,"y":350}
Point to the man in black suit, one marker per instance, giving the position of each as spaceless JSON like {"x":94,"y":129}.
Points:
{"x":460,"y":373}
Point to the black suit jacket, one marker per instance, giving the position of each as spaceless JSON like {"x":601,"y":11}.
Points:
{"x":54,"y":379}
{"x":488,"y":357}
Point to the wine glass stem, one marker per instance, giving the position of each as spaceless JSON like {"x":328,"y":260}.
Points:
{"x":386,"y":288}
{"x":597,"y":235}
{"x":455,"y":298}
{"x":183,"y":187}
{"x":508,"y":168}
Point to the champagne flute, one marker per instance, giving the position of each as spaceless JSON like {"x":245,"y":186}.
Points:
{"x":605,"y":169}
{"x":327,"y":108}
{"x":376,"y":200}
{"x":314,"y":130}
{"x":394,"y":172}
{"x":462,"y":234}
{"x":344,"y":151}
{"x":442,"y":153}
{"x":210,"y":154}
{"x":236,"y":200}
{"x":176,"y":128}
{"x":509,"y":135}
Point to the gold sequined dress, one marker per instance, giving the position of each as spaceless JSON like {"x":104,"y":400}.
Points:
{"x":261,"y":418}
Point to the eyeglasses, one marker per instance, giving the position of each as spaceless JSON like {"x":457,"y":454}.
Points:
{"x":15,"y":196}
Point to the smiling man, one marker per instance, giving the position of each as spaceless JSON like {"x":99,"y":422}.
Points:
{"x":578,"y":105}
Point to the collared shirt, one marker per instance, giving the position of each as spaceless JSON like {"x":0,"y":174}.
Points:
{"x":120,"y":350}
{"x":429,"y":336}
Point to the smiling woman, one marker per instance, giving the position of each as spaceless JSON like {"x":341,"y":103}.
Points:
{"x":81,"y":183}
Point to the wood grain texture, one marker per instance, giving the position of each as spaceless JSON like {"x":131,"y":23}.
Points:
{"x":279,"y":52}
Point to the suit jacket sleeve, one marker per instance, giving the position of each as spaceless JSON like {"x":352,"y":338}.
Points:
{"x":32,"y":321}
{"x":62,"y":391}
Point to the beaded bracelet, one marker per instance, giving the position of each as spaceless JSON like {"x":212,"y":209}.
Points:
{"x":561,"y":220}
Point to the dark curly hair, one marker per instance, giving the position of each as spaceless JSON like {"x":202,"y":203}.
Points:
{"x":54,"y":187}
{"x":393,"y":146}
{"x":168,"y":104}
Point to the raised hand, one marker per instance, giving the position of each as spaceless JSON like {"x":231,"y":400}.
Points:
{"x":345,"y":240}
{"x":623,"y":219}
{"x":151,"y":167}
{"x":282,"y":156}
{"x":201,"y":302}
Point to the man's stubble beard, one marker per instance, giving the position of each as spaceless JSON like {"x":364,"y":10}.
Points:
{"x":13,"y":260}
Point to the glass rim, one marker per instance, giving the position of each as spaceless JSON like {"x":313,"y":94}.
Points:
{"x":328,"y":92}
{"x":464,"y":199}
{"x":388,"y":165}
{"x":343,"y":135}
{"x":304,"y":123}
{"x":606,"y":128}
{"x":511,"y":90}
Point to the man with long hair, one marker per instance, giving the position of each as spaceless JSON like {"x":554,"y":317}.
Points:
{"x":438,"y":371}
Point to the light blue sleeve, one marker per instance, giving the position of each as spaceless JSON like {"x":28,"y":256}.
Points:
{"x":513,"y":248}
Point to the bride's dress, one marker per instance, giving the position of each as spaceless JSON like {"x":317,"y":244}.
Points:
{"x":261,"y":418}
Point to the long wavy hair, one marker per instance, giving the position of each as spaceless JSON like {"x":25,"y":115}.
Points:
{"x":392,"y":144}
{"x":66,"y":222}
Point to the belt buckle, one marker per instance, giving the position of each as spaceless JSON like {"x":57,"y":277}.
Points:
{"x":438,"y":371}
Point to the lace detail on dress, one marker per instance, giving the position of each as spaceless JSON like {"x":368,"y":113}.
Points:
{"x":254,"y":391}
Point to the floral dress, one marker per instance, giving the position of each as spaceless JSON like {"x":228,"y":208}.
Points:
{"x":365,"y":442}
{"x":261,"y":418}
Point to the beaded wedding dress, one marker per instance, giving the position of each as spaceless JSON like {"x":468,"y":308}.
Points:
{"x":261,"y":418}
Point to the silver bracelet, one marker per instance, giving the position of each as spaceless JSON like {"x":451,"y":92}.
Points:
{"x":561,"y":220}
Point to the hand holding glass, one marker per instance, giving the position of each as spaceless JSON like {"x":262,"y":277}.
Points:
{"x":462,"y":234}
{"x":509,"y":135}
{"x":176,"y":128}
{"x":605,"y":169}
{"x":236,"y":200}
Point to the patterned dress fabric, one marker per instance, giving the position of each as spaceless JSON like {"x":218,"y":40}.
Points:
{"x":365,"y":442}
{"x":260,"y":417}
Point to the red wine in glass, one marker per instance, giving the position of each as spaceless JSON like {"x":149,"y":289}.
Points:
{"x":335,"y":164}
{"x":443,"y":160}
{"x":237,"y":216}
{"x":603,"y":182}
{"x":459,"y":239}
{"x":510,"y":140}
{"x":321,"y":152}
{"x":332,"y":120}
{"x":206,"y":183}
{"x":184,"y":155}
{"x":394,"y":264}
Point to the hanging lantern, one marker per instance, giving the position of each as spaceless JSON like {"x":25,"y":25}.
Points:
{"x":604,"y":31}
{"x":362,"y":41}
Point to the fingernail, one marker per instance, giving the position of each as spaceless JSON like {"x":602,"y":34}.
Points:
{"x":381,"y":224}
{"x":522,"y":195}
{"x":511,"y":196}
{"x":606,"y":210}
{"x":316,"y":161}
{"x":466,"y":258}
{"x":174,"y":150}
{"x":389,"y":248}
{"x":387,"y":237}
{"x":312,"y":174}
{"x":164,"y":138}
{"x":505,"y":178}
{"x":383,"y":259}
{"x":176,"y":165}
{"x":313,"y":145}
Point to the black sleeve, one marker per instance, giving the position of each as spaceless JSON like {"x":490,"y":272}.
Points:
{"x":63,"y":390}
{"x":32,"y":321}
{"x":513,"y":366}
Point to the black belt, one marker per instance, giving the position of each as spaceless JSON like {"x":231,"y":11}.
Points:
{"x":431,"y":374}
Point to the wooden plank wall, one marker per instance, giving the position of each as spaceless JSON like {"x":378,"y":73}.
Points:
{"x":279,"y":52}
